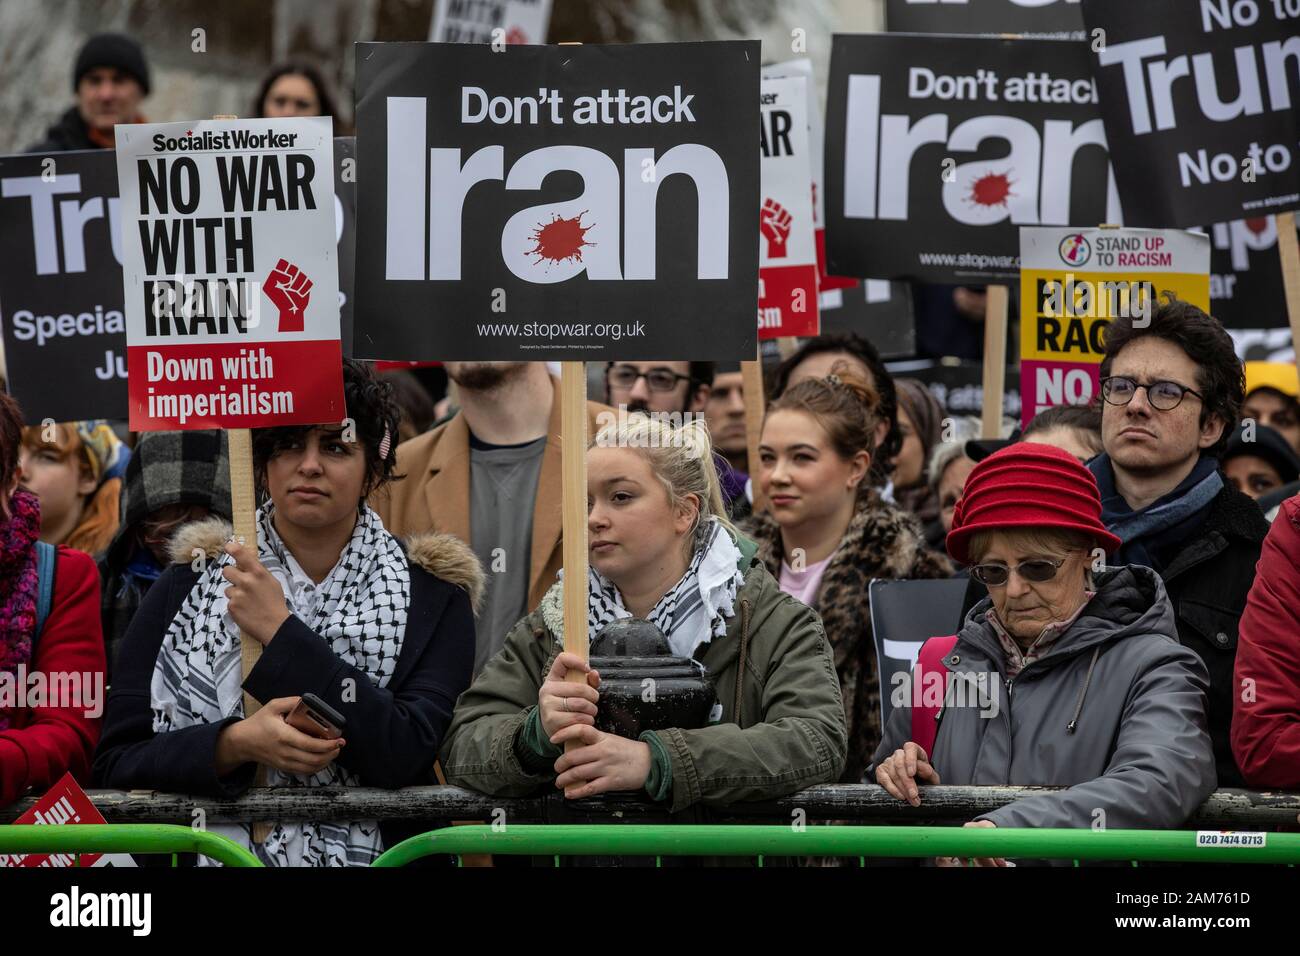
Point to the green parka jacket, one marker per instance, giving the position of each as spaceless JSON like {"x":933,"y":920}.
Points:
{"x":787,"y":732}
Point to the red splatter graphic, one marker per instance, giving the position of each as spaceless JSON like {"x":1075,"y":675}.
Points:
{"x":991,"y":189}
{"x":1257,"y":225}
{"x":560,"y":239}
{"x":516,"y":37}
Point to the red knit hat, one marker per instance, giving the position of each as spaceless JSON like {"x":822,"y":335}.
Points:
{"x":1028,"y":485}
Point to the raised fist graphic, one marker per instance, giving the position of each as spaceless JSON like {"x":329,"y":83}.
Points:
{"x":774,"y":223}
{"x":289,"y":290}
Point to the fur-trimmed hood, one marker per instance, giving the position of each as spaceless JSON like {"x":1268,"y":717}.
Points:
{"x":442,"y":555}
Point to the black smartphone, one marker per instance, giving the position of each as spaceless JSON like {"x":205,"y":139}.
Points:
{"x":318,"y":719}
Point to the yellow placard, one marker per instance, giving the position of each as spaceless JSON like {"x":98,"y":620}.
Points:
{"x":1064,"y":314}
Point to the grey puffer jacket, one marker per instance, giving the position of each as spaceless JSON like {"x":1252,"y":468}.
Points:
{"x":1115,"y":712}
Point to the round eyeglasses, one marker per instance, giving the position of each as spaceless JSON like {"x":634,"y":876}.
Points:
{"x":1165,"y":396}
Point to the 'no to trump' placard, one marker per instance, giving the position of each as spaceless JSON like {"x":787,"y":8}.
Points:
{"x":230,"y":271}
{"x":557,"y":203}
{"x":939,"y":147}
{"x":787,"y":260}
{"x":1201,"y":99}
{"x":1075,"y":282}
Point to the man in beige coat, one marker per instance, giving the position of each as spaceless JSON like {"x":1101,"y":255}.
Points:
{"x":491,"y":476}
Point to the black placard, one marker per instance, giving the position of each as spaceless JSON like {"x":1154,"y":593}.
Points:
{"x":61,"y":285}
{"x":1201,"y":99}
{"x":1246,"y":290}
{"x":880,"y":312}
{"x":616,"y":238}
{"x":345,"y":212}
{"x":938,"y":148}
{"x":1051,"y":18}
{"x":904,"y":615}
{"x":593,"y":228}
{"x":960,"y":388}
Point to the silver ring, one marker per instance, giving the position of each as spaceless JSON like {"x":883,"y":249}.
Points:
{"x":566,"y":704}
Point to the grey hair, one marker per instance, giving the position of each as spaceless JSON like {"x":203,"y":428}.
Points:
{"x":963,"y":428}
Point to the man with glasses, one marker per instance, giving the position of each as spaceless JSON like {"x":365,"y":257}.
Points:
{"x":679,"y":388}
{"x":659,"y":386}
{"x":1172,"y":390}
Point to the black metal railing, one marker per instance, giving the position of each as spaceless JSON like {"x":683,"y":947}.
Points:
{"x":855,"y":803}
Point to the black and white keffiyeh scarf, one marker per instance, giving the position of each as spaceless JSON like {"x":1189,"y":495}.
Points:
{"x":695,"y":610}
{"x":359,"y":610}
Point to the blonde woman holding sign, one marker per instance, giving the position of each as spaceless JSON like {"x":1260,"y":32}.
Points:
{"x":382,"y":635}
{"x":662,"y":550}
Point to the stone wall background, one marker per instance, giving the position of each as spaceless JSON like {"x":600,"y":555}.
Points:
{"x":39,"y":40}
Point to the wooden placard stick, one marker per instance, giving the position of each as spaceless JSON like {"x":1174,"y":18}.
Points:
{"x":755,"y":407}
{"x":573,"y":469}
{"x":243,"y":513}
{"x":995,"y":359}
{"x":1289,"y":251}
{"x":995,"y":345}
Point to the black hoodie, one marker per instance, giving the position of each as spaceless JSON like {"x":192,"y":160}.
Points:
{"x":69,"y":133}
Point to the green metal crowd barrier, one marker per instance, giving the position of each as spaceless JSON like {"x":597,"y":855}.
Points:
{"x":1148,"y":846}
{"x":702,"y":840}
{"x":77,"y":838}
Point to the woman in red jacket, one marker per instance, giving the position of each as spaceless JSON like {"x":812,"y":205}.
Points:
{"x":1266,"y":711}
{"x":52,"y":676}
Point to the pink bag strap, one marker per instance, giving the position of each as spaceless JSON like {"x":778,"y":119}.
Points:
{"x":925,"y":718}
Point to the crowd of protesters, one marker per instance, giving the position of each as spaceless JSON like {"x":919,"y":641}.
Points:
{"x":1123,"y":579}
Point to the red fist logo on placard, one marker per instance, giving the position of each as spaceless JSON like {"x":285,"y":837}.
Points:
{"x":774,"y":223}
{"x":289,"y":290}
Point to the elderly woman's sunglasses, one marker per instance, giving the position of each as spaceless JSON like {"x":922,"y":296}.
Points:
{"x":1035,"y":571}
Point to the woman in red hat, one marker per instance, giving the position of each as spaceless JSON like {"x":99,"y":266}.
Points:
{"x":1069,"y":674}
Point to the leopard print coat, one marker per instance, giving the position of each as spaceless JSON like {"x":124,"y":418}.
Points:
{"x":882,"y":541}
